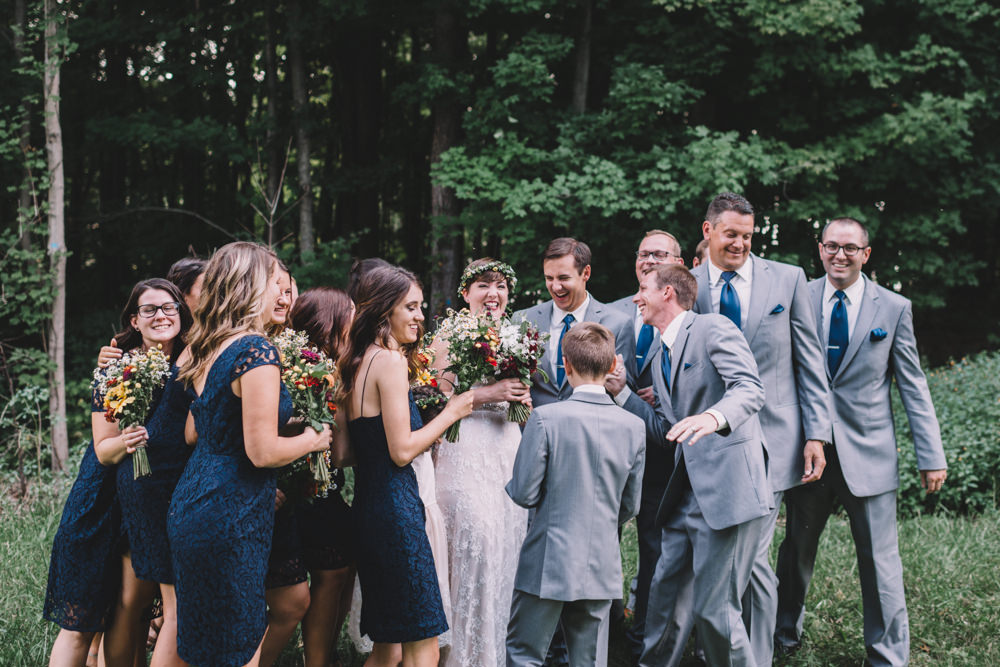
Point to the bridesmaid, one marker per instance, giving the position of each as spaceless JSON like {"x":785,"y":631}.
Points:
{"x":325,"y":525}
{"x":401,"y":599}
{"x":154,"y":315}
{"x":221,"y":516}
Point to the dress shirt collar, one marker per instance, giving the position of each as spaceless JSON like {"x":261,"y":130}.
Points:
{"x":715,"y":273}
{"x":558,"y":314}
{"x":674,"y":328}
{"x":590,"y":389}
{"x":854,"y":291}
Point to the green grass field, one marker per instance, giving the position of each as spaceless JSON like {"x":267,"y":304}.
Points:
{"x":952,"y":573}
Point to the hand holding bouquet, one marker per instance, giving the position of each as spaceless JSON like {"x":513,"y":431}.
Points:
{"x":521,"y":346}
{"x":309,"y":376}
{"x":427,"y":395}
{"x":472,"y":342}
{"x":127,"y":385}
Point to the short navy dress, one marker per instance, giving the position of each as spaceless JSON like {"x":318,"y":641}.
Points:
{"x":220,"y":520}
{"x":145,"y":501}
{"x":326,"y":530}
{"x":401,"y":600}
{"x":85,"y":565}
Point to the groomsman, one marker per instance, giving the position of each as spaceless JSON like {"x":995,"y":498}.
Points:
{"x":869,"y":330}
{"x":769,"y":302}
{"x":717,"y":500}
{"x":566,"y":266}
{"x":657,"y":247}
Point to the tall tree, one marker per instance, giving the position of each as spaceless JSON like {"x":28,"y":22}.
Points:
{"x":300,"y":108}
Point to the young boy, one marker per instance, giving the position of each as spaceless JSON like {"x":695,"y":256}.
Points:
{"x":580,"y":467}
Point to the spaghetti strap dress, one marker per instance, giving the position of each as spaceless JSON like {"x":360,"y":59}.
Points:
{"x":220,"y":520}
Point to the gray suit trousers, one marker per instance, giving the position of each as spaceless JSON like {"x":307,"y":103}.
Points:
{"x":760,"y":602}
{"x":873,"y":526}
{"x":533,"y":620}
{"x":700,"y":578}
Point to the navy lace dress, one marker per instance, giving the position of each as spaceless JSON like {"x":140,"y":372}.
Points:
{"x":145,"y":501}
{"x":401,"y":601}
{"x":326,"y":529}
{"x":286,"y":565}
{"x":85,"y":565}
{"x":220,"y":520}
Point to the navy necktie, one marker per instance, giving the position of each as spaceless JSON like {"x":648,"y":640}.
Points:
{"x":560,"y":370}
{"x":838,"y":333}
{"x":665,"y":365}
{"x":643,"y":344}
{"x":729,"y":301}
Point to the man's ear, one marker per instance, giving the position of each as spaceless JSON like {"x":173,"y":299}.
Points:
{"x":568,"y":367}
{"x":585,"y":274}
{"x":614,"y":364}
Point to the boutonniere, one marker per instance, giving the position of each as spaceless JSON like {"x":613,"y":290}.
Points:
{"x":778,"y":309}
{"x":878,"y":334}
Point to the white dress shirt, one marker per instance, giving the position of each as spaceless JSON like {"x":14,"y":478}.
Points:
{"x":590,"y":389}
{"x":852,"y":302}
{"x":556,"y":327}
{"x":742,"y":282}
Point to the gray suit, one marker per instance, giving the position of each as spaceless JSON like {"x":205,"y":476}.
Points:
{"x":863,"y":472}
{"x":715,"y":503}
{"x":579,"y":465}
{"x":543,"y":392}
{"x":782,"y":334}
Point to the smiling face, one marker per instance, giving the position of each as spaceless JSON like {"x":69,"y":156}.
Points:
{"x":567,"y":286}
{"x":729,"y":239}
{"x":159,"y":328}
{"x":657,"y":243}
{"x":486,"y":294}
{"x":843,"y":270}
{"x":406,"y":316}
{"x":191,"y":298}
{"x":283,"y":301}
{"x":650,"y":299}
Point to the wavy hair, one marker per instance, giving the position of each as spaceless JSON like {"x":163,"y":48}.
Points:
{"x":128,"y":337}
{"x":379,"y":291}
{"x":323,"y":314}
{"x":231,"y":302}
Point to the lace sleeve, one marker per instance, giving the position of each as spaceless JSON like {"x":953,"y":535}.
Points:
{"x":254,"y":351}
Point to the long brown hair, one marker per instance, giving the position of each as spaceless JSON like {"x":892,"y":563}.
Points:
{"x":379,"y":292}
{"x":324,"y":314}
{"x":129,"y":337}
{"x":231,"y":302}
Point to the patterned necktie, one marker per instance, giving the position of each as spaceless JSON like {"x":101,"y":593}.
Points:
{"x":729,"y":301}
{"x":838,"y":333}
{"x":643,"y":344}
{"x":560,"y":370}
{"x":665,"y":365}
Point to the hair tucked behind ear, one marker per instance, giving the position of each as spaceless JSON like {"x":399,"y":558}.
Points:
{"x":231,"y":302}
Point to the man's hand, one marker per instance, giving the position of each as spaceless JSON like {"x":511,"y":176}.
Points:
{"x":932,"y":480}
{"x":614,"y":381}
{"x":693,"y":427}
{"x":646,"y":394}
{"x":815,"y":461}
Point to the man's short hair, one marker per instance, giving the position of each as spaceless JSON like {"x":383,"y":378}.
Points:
{"x":568,"y":246}
{"x":589,"y":348}
{"x":701,"y":250}
{"x":727,"y":201}
{"x":845,"y":221}
{"x":678,"y":277}
{"x":660,"y":232}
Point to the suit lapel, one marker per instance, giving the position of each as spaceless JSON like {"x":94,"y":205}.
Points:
{"x":866,"y":315}
{"x":677,"y":351}
{"x":759,"y":293}
{"x":703,"y":304}
{"x":541,"y":317}
{"x":816,"y":287}
{"x":666,"y":403}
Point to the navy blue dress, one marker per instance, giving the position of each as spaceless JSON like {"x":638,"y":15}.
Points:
{"x":145,"y":501}
{"x":220,"y":520}
{"x":85,"y":565}
{"x":326,"y":529}
{"x":401,"y":601}
{"x":286,"y":565}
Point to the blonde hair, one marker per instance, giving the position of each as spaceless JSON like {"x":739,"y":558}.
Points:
{"x":231,"y":302}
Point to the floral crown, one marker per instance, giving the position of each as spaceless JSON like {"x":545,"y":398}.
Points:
{"x":495,"y":266}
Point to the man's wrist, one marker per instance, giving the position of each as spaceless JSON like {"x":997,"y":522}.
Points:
{"x":621,"y":397}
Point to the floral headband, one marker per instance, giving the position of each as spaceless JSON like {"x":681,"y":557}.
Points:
{"x":495,"y":266}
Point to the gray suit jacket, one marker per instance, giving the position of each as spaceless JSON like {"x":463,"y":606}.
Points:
{"x":790,"y":359}
{"x":543,"y":392}
{"x":711,"y":367}
{"x":642,"y":375}
{"x":861,"y":412}
{"x":580,"y":466}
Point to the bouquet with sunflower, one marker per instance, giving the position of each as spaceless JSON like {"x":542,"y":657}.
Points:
{"x":427,"y":395}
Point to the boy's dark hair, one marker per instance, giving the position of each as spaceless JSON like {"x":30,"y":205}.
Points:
{"x":590,"y":349}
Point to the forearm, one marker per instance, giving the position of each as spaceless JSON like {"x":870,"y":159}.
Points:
{"x":279,"y":451}
{"x":110,"y":450}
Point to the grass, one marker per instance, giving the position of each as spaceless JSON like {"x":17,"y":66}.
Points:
{"x":951,"y":570}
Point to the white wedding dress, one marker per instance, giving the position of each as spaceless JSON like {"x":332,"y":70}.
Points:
{"x":485,"y":531}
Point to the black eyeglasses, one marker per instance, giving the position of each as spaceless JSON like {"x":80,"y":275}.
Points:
{"x":850,"y":250}
{"x":169,"y":308}
{"x":661,"y":255}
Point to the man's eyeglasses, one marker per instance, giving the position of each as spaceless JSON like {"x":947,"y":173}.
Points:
{"x":169,"y":308}
{"x":850,"y":250}
{"x":660,"y":255}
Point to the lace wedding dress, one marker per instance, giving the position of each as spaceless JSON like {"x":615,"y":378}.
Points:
{"x":485,"y":531}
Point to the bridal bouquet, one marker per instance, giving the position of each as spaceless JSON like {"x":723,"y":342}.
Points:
{"x":472,"y":342}
{"x":521,"y":347}
{"x":127,"y":385}
{"x":308,"y":374}
{"x":427,"y":395}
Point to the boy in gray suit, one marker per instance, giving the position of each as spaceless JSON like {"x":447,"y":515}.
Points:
{"x":580,"y":467}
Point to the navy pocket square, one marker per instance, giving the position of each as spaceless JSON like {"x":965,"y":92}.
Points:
{"x":778,"y":309}
{"x":878,"y":334}
{"x":686,"y":365}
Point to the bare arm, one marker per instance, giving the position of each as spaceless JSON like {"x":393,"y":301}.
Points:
{"x":112,"y":445}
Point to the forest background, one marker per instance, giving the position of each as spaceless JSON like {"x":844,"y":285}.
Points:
{"x":430,"y":133}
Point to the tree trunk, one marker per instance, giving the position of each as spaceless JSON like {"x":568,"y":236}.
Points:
{"x":24,"y":134}
{"x":300,"y":102}
{"x":274,"y":158}
{"x":581,"y":74}
{"x":54,"y":49}
{"x":447,"y":49}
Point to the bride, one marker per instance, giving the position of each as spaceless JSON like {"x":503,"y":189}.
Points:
{"x":485,"y":528}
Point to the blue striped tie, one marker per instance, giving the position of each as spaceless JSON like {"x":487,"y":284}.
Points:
{"x":838,"y":333}
{"x":560,"y":369}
